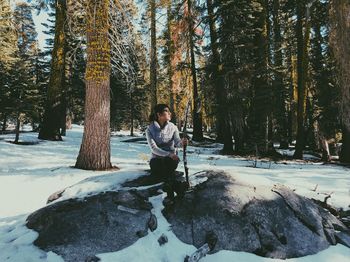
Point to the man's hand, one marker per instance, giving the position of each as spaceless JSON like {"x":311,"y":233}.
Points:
{"x":174,"y":157}
{"x":184,"y":141}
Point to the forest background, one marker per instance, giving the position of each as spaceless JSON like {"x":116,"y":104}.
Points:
{"x":259,"y":74}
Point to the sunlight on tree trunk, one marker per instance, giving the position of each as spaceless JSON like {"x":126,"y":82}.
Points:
{"x":95,"y":148}
{"x":153,"y":68}
{"x":50,"y":128}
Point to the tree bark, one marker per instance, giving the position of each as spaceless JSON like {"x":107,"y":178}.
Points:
{"x":197,"y":115}
{"x":223,"y":124}
{"x":170,"y":46}
{"x":279,"y":88}
{"x":54,"y":110}
{"x":153,"y":68}
{"x":132,"y":113}
{"x":326,"y":156}
{"x":4,"y":123}
{"x":302,"y":69}
{"x":340,"y":39}
{"x":345,"y":149}
{"x":95,"y":148}
{"x":259,"y":116}
{"x":18,"y":125}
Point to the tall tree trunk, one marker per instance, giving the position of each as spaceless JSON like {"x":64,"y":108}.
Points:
{"x":66,"y":94}
{"x":4,"y":122}
{"x":50,"y":128}
{"x":302,"y":69}
{"x":340,"y":41}
{"x":279,"y":88}
{"x":259,"y":117}
{"x":170,"y":46}
{"x":345,"y":148}
{"x":293,"y":96}
{"x":132,"y":112}
{"x":223,"y":124}
{"x":63,"y":127}
{"x":216,"y":63}
{"x":153,"y":68}
{"x":95,"y":148}
{"x":197,"y":115}
{"x":326,"y":156}
{"x":18,"y":125}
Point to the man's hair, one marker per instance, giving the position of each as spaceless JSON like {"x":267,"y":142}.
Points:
{"x":157,"y":109}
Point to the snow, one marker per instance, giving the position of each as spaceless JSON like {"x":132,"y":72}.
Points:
{"x":29,"y":174}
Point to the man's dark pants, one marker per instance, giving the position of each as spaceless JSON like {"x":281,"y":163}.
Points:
{"x":164,"y":168}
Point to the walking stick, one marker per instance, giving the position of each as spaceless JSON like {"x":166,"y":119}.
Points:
{"x":184,"y":132}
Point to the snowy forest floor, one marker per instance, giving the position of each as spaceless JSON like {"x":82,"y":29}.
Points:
{"x":31,"y":173}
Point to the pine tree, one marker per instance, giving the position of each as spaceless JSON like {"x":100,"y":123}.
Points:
{"x":196,"y":113}
{"x":8,"y":47}
{"x":260,"y":110}
{"x":54,"y":109}
{"x":94,"y":152}
{"x":303,"y":39}
{"x":323,"y":99}
{"x":223,"y":128}
{"x":23,"y":84}
{"x":168,"y":58}
{"x":8,"y":35}
{"x":236,"y":35}
{"x":4,"y":95}
{"x":153,"y":54}
{"x":340,"y":39}
{"x":280,"y":85}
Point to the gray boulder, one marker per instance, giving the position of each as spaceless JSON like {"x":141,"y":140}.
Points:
{"x":78,"y":229}
{"x":272,"y":222}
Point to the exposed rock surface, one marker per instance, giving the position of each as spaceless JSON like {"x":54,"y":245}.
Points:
{"x":268,"y":221}
{"x":272,"y":222}
{"x":79,"y":229}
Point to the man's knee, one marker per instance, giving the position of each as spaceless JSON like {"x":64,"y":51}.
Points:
{"x":170,"y":163}
{"x":156,"y":166}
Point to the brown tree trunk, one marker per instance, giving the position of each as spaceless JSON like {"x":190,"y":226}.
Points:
{"x":52,"y":123}
{"x":69,"y":120}
{"x":279,"y":88}
{"x":170,"y":46}
{"x":224,"y":132}
{"x":262,"y":92}
{"x":153,"y":68}
{"x":132,"y":115}
{"x":344,"y":155}
{"x":302,"y":69}
{"x":18,"y":125}
{"x":326,"y":156}
{"x":95,"y":148}
{"x":340,"y":41}
{"x":4,"y":122}
{"x":216,"y":63}
{"x":197,"y":115}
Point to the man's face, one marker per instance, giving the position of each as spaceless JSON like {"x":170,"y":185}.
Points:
{"x":165,"y":115}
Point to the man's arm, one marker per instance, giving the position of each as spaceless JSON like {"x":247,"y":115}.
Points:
{"x":177,"y":139}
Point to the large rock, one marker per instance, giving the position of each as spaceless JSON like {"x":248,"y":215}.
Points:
{"x":272,"y":222}
{"x":79,"y":229}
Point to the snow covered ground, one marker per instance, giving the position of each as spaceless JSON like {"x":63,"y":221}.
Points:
{"x":29,"y":174}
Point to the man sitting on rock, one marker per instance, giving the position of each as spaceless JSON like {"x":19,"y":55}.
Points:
{"x":163,"y":138}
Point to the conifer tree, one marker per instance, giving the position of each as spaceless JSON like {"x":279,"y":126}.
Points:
{"x":23,"y":83}
{"x":51,"y":127}
{"x":340,"y":39}
{"x":95,"y":152}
